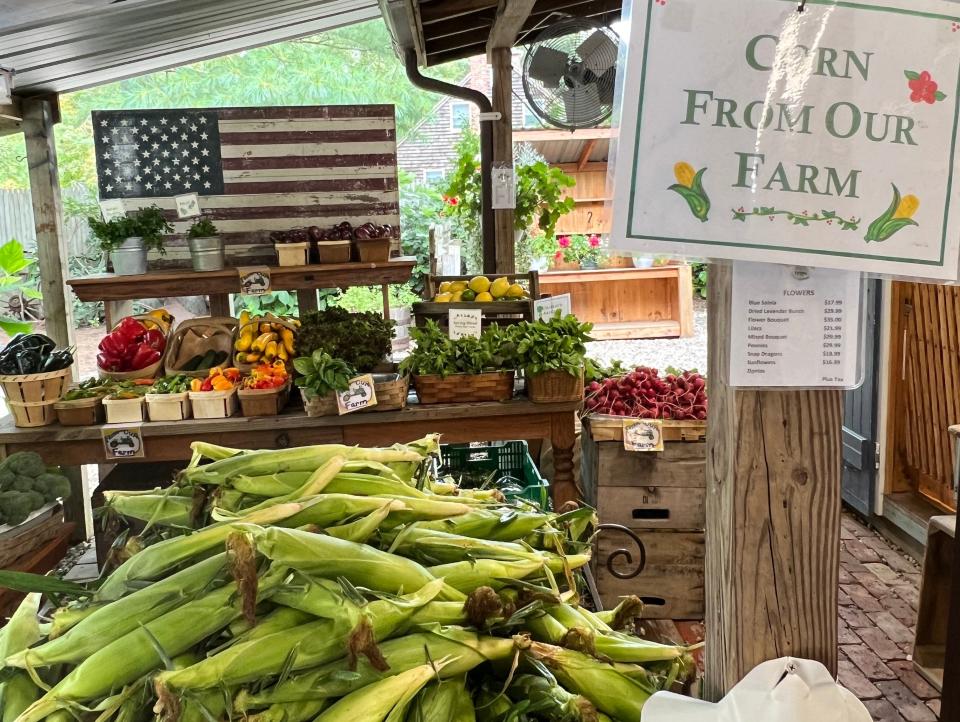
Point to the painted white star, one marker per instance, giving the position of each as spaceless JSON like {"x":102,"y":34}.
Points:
{"x":196,"y":176}
{"x":166,"y":169}
{"x":174,"y":145}
{"x":194,"y":144}
{"x":145,"y":154}
{"x":183,"y":120}
{"x":149,"y":186}
{"x":125,"y":121}
{"x":163,"y":137}
{"x":106,"y":156}
{"x":193,"y":127}
{"x":143,"y":121}
{"x":203,"y":119}
{"x":154,"y":129}
{"x":163,"y":121}
{"x":165,"y":153}
{"x":109,"y":188}
{"x":114,"y":130}
{"x":156,"y":161}
{"x":136,"y":162}
{"x":185,"y":153}
{"x":137,"y":178}
{"x":183,"y":136}
{"x":107,"y":171}
{"x":129,"y":186}
{"x":168,"y":185}
{"x":136,"y":146}
{"x":187,"y":183}
{"x":206,"y":184}
{"x":147,"y":171}
{"x":205,"y":169}
{"x":176,"y":161}
{"x":174,"y":128}
{"x":103,"y":124}
{"x":194,"y":160}
{"x":176,"y":176}
{"x":203,"y":136}
{"x":155,"y":146}
{"x":204,"y":152}
{"x":144,"y":137}
{"x":105,"y":139}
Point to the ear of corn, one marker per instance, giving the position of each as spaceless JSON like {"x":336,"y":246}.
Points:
{"x":18,"y":691}
{"x":444,"y":701}
{"x":386,"y":700}
{"x":162,"y":509}
{"x":543,"y":696}
{"x":362,"y":529}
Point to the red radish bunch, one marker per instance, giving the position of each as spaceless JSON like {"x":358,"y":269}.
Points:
{"x":643,"y":394}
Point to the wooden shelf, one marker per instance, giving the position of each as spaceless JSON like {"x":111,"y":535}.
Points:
{"x":156,"y":284}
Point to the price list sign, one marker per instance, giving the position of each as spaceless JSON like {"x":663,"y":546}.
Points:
{"x":794,"y":327}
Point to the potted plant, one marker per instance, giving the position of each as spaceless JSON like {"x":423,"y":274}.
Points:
{"x":321,"y":377}
{"x":128,"y":238}
{"x":206,"y":246}
{"x":552,"y":354}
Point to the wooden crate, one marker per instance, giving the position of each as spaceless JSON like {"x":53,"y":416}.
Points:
{"x":661,"y":497}
{"x":501,"y":312}
{"x":671,"y":583}
{"x":931,"y":635}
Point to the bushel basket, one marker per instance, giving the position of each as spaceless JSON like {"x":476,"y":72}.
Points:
{"x":464,"y":388}
{"x":31,"y":397}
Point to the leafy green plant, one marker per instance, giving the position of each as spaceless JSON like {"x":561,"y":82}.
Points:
{"x":436,"y":354}
{"x":279,"y":303}
{"x":369,"y":299}
{"x":555,"y":345}
{"x":147,"y":223}
{"x":321,"y":374}
{"x":363,"y":340}
{"x":203,"y":228}
{"x":699,"y":271}
{"x":13,"y":264}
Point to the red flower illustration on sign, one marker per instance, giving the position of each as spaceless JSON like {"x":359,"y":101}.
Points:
{"x":594,"y":241}
{"x":923,"y":88}
{"x":564,"y":241}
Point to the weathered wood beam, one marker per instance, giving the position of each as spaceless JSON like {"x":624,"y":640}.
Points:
{"x":459,"y":41}
{"x":38,"y":120}
{"x":441,"y":10}
{"x":11,"y":117}
{"x":594,"y":165}
{"x":774,"y":462}
{"x":459,"y":54}
{"x":416,"y":30}
{"x":585,"y":154}
{"x":502,"y":100}
{"x":511,"y":15}
{"x":532,"y":136}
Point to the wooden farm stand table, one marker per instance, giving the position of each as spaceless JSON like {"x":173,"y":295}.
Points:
{"x":628,"y":303}
{"x":73,"y":446}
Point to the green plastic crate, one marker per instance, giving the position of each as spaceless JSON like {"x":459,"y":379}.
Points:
{"x":506,"y":457}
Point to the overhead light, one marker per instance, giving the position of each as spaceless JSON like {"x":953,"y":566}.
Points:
{"x":6,"y":86}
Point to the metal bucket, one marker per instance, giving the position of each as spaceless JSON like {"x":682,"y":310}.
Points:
{"x":130,"y":258}
{"x":206,"y":253}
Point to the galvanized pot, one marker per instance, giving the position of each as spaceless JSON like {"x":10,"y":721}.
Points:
{"x":206,"y":253}
{"x":130,"y":257}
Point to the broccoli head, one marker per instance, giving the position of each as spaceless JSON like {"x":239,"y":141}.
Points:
{"x":27,"y":463}
{"x":15,"y":506}
{"x":22,"y":483}
{"x":52,"y":486}
{"x":7,"y":478}
{"x":36,"y":499}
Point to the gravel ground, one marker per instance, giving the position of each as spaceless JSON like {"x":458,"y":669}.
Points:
{"x":682,"y":353}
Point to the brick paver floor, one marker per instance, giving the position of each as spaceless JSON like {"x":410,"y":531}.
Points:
{"x":879,"y":590}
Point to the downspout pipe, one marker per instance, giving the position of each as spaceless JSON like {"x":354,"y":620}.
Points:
{"x":487,"y":228}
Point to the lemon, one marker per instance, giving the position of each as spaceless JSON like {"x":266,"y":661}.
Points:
{"x":468,"y":296}
{"x":499,"y":288}
{"x":457,"y":297}
{"x":479,"y":284}
{"x":444,"y":287}
{"x":457,"y":286}
{"x":483,"y":297}
{"x":443,"y":298}
{"x":515,"y":291}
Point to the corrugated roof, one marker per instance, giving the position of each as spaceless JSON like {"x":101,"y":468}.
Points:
{"x":66,"y":45}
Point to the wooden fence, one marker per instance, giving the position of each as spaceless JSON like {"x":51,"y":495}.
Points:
{"x":924,"y":390}
{"x":16,"y":220}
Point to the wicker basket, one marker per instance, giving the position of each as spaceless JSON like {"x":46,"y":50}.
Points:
{"x":147,"y":372}
{"x":80,"y":412}
{"x":30,"y":397}
{"x":391,"y":393}
{"x":217,"y":331}
{"x":32,"y":534}
{"x":552,"y":386}
{"x":263,"y":402}
{"x":245,"y":367}
{"x":464,"y":388}
{"x":320,"y":405}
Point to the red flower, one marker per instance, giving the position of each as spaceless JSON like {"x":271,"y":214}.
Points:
{"x":564,"y":241}
{"x":594,"y":241}
{"x":924,"y":89}
{"x":558,"y":256}
{"x":453,"y":201}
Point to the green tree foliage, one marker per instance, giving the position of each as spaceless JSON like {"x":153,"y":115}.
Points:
{"x":349,"y":65}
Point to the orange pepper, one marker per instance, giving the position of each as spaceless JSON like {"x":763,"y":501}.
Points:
{"x":221,"y":383}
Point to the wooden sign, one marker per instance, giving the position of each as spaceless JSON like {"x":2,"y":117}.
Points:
{"x":361,"y":394}
{"x":827,"y":137}
{"x":254,"y":280}
{"x":123,"y":442}
{"x":464,"y":322}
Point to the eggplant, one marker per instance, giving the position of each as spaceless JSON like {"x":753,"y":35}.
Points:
{"x":315,"y":233}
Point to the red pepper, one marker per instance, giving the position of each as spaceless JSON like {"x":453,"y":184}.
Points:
{"x":130,"y":330}
{"x":143,"y":357}
{"x":207,"y":384}
{"x":155,"y":339}
{"x":112,"y":345}
{"x":108,"y":363}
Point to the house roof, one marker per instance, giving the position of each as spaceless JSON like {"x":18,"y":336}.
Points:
{"x":66,"y":45}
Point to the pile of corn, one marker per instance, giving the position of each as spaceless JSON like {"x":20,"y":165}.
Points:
{"x":334,"y":584}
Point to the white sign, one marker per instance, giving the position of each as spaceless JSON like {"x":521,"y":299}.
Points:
{"x":124,"y":442}
{"x":545,"y":308}
{"x":827,"y":138}
{"x":464,"y":322}
{"x":254,"y":280}
{"x":112,"y":208}
{"x":793,"y":326}
{"x":188,"y":205}
{"x":643,"y":434}
{"x":359,"y":395}
{"x":504,"y":187}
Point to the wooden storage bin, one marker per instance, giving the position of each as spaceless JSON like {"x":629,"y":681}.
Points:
{"x":80,"y":412}
{"x":168,"y":407}
{"x":39,"y":528}
{"x":661,"y":497}
{"x":503,"y":313}
{"x":293,"y":254}
{"x":213,"y":404}
{"x":931,"y":636}
{"x":464,"y":388}
{"x":123,"y":411}
{"x":263,"y":402}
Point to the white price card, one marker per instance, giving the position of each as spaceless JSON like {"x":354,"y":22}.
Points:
{"x":254,"y":280}
{"x":793,"y":326}
{"x":361,"y":394}
{"x":545,"y":308}
{"x":464,"y":322}
{"x":188,"y":205}
{"x":643,"y":434}
{"x":112,"y":208}
{"x":504,"y":186}
{"x":123,"y":442}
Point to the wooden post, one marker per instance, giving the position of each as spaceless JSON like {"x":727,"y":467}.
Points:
{"x":502,"y":64}
{"x":774,"y":462}
{"x":38,"y":119}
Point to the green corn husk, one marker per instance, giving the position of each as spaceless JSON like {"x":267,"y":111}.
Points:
{"x":110,"y":622}
{"x":143,"y":650}
{"x":619,"y":690}
{"x":383,"y":701}
{"x":622,"y":616}
{"x":465,"y":650}
{"x":317,"y":597}
{"x":445,"y":548}
{"x":18,"y":691}
{"x":468,"y":575}
{"x":445,"y":701}
{"x":325,"y":510}
{"x":608,"y":646}
{"x":492,"y":524}
{"x":67,"y":617}
{"x":206,"y":705}
{"x":161,"y":509}
{"x":426,"y":509}
{"x":278,"y":620}
{"x":362,"y":529}
{"x":543,"y":696}
{"x":306,"y":646}
{"x":570,"y":616}
{"x":361,"y":565}
{"x":291,"y":712}
{"x":158,"y":559}
{"x":492,"y":706}
{"x":445,"y":613}
{"x":269,"y":485}
{"x":315,"y":484}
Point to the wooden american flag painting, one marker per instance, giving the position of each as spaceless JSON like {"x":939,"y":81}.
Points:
{"x":256,"y":170}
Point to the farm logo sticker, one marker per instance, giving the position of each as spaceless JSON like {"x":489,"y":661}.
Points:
{"x":254,"y":280}
{"x":123,"y":443}
{"x":643,"y":434}
{"x":361,"y":394}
